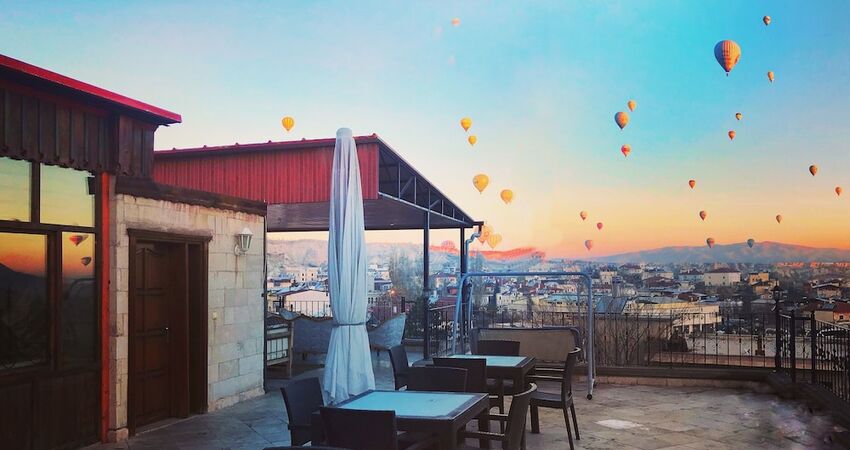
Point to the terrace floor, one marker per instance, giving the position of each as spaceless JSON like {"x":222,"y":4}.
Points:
{"x":621,"y":417}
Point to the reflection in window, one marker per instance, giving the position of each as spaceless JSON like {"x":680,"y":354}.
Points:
{"x":79,"y":320}
{"x":67,"y":196}
{"x":23,"y":300}
{"x":14,"y":190}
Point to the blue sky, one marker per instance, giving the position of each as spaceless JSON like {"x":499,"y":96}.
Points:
{"x":541,"y":81}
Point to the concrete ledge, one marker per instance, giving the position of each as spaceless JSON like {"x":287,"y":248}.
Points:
{"x":755,"y":386}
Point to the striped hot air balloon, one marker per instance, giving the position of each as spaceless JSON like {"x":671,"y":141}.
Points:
{"x":727,"y":54}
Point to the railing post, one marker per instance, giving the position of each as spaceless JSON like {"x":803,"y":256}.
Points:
{"x":813,"y":330}
{"x":793,"y":347}
{"x":778,"y":334}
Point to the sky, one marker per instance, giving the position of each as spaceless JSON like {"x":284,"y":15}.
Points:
{"x":541,"y":81}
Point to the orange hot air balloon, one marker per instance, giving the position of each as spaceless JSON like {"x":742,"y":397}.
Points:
{"x":472,"y":139}
{"x":583,"y":215}
{"x":485,"y":232}
{"x":703,"y":215}
{"x":455,"y":22}
{"x":738,"y":116}
{"x":731,"y":134}
{"x":779,"y":218}
{"x":622,"y":119}
{"x":813,"y":169}
{"x":766,"y":20}
{"x":838,"y":190}
{"x":86,"y":260}
{"x":626,"y":149}
{"x":466,"y":122}
{"x":480,"y":182}
{"x":631,"y":104}
{"x":494,"y":239}
{"x":588,"y":244}
{"x":692,"y":183}
{"x":288,"y":123}
{"x":507,"y":196}
{"x":77,"y":239}
{"x":727,"y":54}
{"x":599,"y":226}
{"x":770,"y":76}
{"x":710,"y":242}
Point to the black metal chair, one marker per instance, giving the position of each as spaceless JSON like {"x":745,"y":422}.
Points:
{"x":365,"y":430}
{"x":497,"y":386}
{"x":401,"y":366}
{"x":562,"y":400}
{"x":302,"y":398}
{"x":298,"y":448}
{"x":513,"y":438}
{"x":476,"y":378}
{"x":434,"y":378}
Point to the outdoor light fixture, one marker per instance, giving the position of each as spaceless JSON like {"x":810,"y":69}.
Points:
{"x":243,"y":241}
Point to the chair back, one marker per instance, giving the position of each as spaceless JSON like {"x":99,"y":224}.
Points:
{"x":476,"y":371}
{"x":302,"y":398}
{"x":498,"y":348}
{"x":569,"y":367}
{"x":401,"y":366}
{"x":515,"y":428}
{"x":433,"y":378}
{"x":359,"y":429}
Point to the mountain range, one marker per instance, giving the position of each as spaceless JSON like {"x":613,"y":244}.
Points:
{"x":762,"y":252}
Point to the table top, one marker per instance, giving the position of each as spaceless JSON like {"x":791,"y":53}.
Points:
{"x":498,"y":361}
{"x":415,"y":404}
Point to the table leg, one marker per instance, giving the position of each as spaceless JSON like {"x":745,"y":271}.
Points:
{"x":484,"y":425}
{"x":448,"y":441}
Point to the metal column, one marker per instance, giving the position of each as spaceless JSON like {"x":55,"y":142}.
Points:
{"x":426,"y":288}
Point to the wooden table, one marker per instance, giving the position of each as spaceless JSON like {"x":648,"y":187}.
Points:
{"x":440,"y":413}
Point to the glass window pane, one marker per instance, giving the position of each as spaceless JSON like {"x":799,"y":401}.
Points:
{"x":78,"y":304}
{"x":67,"y":196}
{"x":23,"y":300}
{"x":15,"y":189}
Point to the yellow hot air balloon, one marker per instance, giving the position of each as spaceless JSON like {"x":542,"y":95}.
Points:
{"x":466,"y":122}
{"x":766,"y":20}
{"x":703,"y":215}
{"x":485,"y":232}
{"x":731,"y":134}
{"x":583,"y":215}
{"x":472,"y":139}
{"x":727,"y":54}
{"x":507,"y":196}
{"x":692,"y":183}
{"x":626,"y":149}
{"x":631,"y":104}
{"x":588,"y":244}
{"x":622,"y":119}
{"x":710,"y":242}
{"x":494,"y":239}
{"x":779,"y":218}
{"x":480,"y":182}
{"x":813,"y":169}
{"x":288,"y":123}
{"x":738,"y":116}
{"x":838,"y":190}
{"x":455,"y":22}
{"x":770,"y":76}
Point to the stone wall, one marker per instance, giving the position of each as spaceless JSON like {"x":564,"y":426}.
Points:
{"x":236,"y":308}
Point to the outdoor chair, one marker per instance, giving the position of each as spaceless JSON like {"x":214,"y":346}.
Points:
{"x":433,"y":378}
{"x":366,"y":430}
{"x":302,"y":398}
{"x":298,"y":448}
{"x":498,"y":386}
{"x":401,"y":366}
{"x":513,"y":423}
{"x":476,"y":377}
{"x":562,"y":400}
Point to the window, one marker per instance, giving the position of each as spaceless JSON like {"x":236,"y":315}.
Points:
{"x":78,"y":331}
{"x":14,"y":190}
{"x":67,"y":197}
{"x":23,"y":300}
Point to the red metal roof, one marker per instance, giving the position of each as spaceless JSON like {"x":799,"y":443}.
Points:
{"x":158,"y":115}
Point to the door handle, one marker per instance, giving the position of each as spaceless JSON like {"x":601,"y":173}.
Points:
{"x":167,"y":334}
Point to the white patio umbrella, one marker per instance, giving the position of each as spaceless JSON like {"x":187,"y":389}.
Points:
{"x":348,"y":367}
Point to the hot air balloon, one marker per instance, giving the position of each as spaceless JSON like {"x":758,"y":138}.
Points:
{"x":838,"y":190}
{"x":86,"y":260}
{"x":480,"y":182}
{"x":779,"y":218}
{"x":770,"y":76}
{"x":588,"y":244}
{"x":703,"y":215}
{"x":622,"y":119}
{"x":466,"y":122}
{"x":751,"y":242}
{"x":507,"y":196}
{"x":583,"y":215}
{"x":288,"y":123}
{"x":738,"y":116}
{"x":485,"y":232}
{"x":766,"y":20}
{"x":599,"y":226}
{"x":727,"y":54}
{"x":813,"y":169}
{"x":731,"y":134}
{"x":626,"y":149}
{"x":494,"y":239}
{"x":472,"y":139}
{"x":710,"y":242}
{"x":77,"y":239}
{"x":692,"y":183}
{"x":455,"y":22}
{"x":631,"y":104}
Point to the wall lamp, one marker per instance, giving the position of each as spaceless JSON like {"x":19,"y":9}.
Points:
{"x":243,"y":242}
